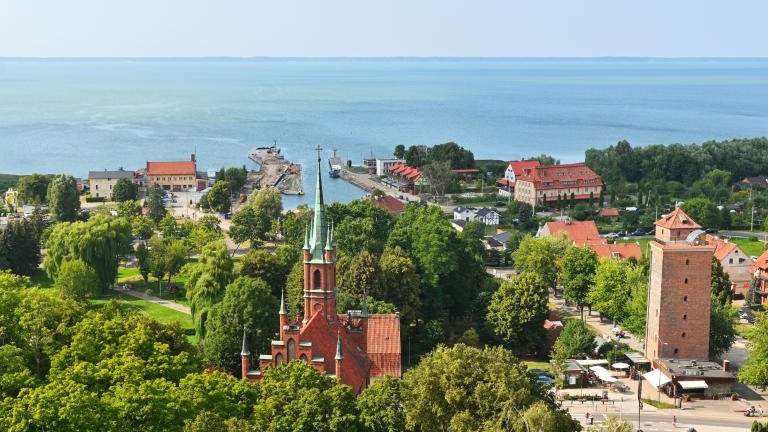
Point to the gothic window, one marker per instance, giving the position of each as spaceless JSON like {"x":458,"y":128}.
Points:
{"x":303,"y":358}
{"x":316,"y":284}
{"x":278,"y":359}
{"x":291,"y":349}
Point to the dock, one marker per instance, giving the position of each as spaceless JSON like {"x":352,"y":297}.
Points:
{"x":275,"y":171}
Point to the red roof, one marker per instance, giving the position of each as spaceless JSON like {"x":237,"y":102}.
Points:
{"x":604,"y":249}
{"x":384,"y":345}
{"x":761,"y":263}
{"x":677,"y":219}
{"x":388,"y":203}
{"x":518,"y":167}
{"x":171,"y":168}
{"x":609,"y":212}
{"x":505,"y":182}
{"x":578,"y":231}
{"x":561,"y":176}
{"x":722,"y":247}
{"x":404,"y":170}
{"x":465,"y":171}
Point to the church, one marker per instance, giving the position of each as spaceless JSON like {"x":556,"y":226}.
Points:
{"x":355,"y":347}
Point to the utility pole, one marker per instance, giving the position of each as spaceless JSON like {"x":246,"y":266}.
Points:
{"x":752,"y":204}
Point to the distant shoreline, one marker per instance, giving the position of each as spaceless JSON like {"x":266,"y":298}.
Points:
{"x":259,"y":59}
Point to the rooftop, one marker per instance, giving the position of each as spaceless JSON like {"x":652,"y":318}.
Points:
{"x":388,"y":203}
{"x":578,"y":231}
{"x":677,"y":219}
{"x":115,"y":174}
{"x":689,"y":369}
{"x":172,"y":168}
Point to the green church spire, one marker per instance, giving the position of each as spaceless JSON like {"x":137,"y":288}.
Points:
{"x":319,"y":227}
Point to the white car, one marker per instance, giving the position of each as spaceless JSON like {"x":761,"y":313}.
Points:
{"x":611,"y":235}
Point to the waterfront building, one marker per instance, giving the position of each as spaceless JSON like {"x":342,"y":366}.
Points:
{"x":355,"y":347}
{"x":178,"y":176}
{"x":384,"y":165}
{"x":544,"y":185}
{"x":388,"y":203}
{"x":102,"y":182}
{"x":513,"y":171}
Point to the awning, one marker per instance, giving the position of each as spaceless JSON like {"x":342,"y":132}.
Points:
{"x":692,"y":385}
{"x":607,"y":378}
{"x":656,"y":378}
{"x":599,"y":370}
{"x":592,"y":362}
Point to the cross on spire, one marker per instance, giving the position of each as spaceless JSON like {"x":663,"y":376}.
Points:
{"x":318,"y":149}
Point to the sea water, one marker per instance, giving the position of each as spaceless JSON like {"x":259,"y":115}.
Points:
{"x":78,"y":115}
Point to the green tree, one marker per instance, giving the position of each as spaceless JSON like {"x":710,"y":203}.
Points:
{"x":722,"y":333}
{"x":236,"y":178}
{"x":20,"y":247}
{"x":703,"y":211}
{"x":468,"y":389}
{"x":577,"y":272}
{"x":636,"y":311}
{"x":99,"y":242}
{"x":249,"y":224}
{"x":267,"y":266}
{"x":721,"y":284}
{"x":247,"y":304}
{"x":33,"y":189}
{"x":267,"y":200}
{"x":575,"y":339}
{"x":615,"y":281}
{"x":143,"y":260}
{"x":294,"y":288}
{"x":358,"y":275}
{"x":207,"y":281}
{"x":755,"y":369}
{"x":124,"y":190}
{"x":517,"y":312}
{"x":439,"y":176}
{"x":219,"y":198}
{"x":142,"y":227}
{"x":63,"y":199}
{"x":381,"y":406}
{"x":399,"y":282}
{"x":540,"y":255}
{"x":205,"y":230}
{"x":399,"y":151}
{"x":77,"y":280}
{"x":154,"y":203}
{"x":14,"y":374}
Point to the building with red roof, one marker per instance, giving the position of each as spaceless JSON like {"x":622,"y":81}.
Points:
{"x":388,"y":203}
{"x":577,"y":231}
{"x":514,"y":170}
{"x":177,"y":176}
{"x":544,"y":185}
{"x":760,"y":273}
{"x":609,"y":213}
{"x":623,"y":251}
{"x":409,"y":179}
{"x":356,"y":348}
{"x":734,"y":261}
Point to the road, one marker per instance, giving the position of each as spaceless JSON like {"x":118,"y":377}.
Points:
{"x":655,"y":422}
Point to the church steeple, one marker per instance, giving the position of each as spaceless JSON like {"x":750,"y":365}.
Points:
{"x":318,"y":233}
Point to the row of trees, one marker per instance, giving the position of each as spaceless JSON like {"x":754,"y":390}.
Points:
{"x":420,"y":155}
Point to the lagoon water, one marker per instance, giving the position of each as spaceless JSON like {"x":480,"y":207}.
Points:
{"x":80,"y":115}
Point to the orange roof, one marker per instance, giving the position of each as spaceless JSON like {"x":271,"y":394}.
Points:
{"x":505,"y":182}
{"x":609,"y":212}
{"x":578,"y":231}
{"x":384,"y":345}
{"x":761,"y":263}
{"x":604,"y":249}
{"x":519,"y":167}
{"x":561,"y":176}
{"x":677,"y":219}
{"x":171,"y":168}
{"x":388,"y":203}
{"x":722,"y":247}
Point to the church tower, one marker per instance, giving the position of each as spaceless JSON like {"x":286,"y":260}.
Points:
{"x":319,"y":261}
{"x":677,"y":320}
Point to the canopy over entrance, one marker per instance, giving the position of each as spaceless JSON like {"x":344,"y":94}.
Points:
{"x":656,"y":378}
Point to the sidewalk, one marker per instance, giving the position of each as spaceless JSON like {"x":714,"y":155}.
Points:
{"x":152,"y":299}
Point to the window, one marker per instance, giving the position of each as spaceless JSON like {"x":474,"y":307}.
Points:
{"x":687,"y":262}
{"x":316,"y":284}
{"x":741,"y":260}
{"x":292,"y":349}
{"x":730,"y":260}
{"x":303,"y":358}
{"x":685,"y":317}
{"x":683,"y":334}
{"x":278,"y":359}
{"x":686,"y":280}
{"x":97,"y":187}
{"x":685,"y":298}
{"x":676,"y":351}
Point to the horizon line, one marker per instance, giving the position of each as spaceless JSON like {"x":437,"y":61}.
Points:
{"x":272,"y":58}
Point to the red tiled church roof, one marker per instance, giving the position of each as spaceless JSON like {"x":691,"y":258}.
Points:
{"x":384,"y":345}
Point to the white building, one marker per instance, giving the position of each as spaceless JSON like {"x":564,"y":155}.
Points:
{"x":383,"y":165}
{"x":485,"y":215}
{"x":464,"y":213}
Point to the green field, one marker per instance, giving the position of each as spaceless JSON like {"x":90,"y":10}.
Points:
{"x":133,"y":277}
{"x":750,"y":247}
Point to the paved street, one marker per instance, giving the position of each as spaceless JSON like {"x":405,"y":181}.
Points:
{"x":152,"y":299}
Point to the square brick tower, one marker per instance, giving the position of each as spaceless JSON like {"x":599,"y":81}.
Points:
{"x":677,"y":321}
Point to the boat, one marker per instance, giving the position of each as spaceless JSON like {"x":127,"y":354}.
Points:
{"x":335,"y":165}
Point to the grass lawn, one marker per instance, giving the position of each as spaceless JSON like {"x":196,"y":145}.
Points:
{"x":658,"y":404}
{"x":160,"y":313}
{"x":743,"y":330}
{"x":133,"y":277}
{"x":536,"y":364}
{"x":750,"y":247}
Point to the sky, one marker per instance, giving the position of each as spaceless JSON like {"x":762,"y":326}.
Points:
{"x":384,"y":28}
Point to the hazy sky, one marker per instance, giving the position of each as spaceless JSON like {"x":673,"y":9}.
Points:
{"x":664,"y":28}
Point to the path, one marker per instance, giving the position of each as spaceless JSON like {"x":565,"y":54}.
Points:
{"x":152,"y":299}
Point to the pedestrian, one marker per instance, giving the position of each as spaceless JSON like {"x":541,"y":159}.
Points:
{"x":674,"y":421}
{"x":760,"y":410}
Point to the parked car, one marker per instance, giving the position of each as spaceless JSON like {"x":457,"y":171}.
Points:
{"x":611,"y":235}
{"x":638,"y":232}
{"x":546,"y":380}
{"x":623,"y":234}
{"x":711,"y":230}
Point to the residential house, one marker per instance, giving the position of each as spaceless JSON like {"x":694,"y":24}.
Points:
{"x":405,"y":178}
{"x":102,"y":182}
{"x":609,"y":213}
{"x":173,"y":176}
{"x":487,"y":216}
{"x":623,"y":251}
{"x":514,"y":170}
{"x":467,"y":174}
{"x":464,"y":213}
{"x":544,"y":185}
{"x":584,"y":233}
{"x":735,"y":263}
{"x":754,"y":182}
{"x":498,"y":241}
{"x":760,"y":273}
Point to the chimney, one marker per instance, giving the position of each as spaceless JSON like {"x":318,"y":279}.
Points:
{"x":726,"y":365}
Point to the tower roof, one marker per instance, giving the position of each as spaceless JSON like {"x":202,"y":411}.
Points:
{"x":245,"y":351}
{"x":338,"y":348}
{"x":283,"y":310}
{"x":677,"y":219}
{"x":318,"y":233}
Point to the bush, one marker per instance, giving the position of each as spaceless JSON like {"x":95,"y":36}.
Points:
{"x":149,"y":292}
{"x":92,"y":199}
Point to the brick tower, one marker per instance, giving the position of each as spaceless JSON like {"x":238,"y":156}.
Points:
{"x":677,"y":321}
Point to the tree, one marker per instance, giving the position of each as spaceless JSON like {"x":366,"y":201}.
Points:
{"x":77,"y":280}
{"x":755,"y":369}
{"x":636,"y":311}
{"x":249,"y":224}
{"x":358,"y":275}
{"x":236,"y":178}
{"x":577,"y":273}
{"x":399,"y":282}
{"x":399,"y":151}
{"x":439,"y":176}
{"x":99,"y":242}
{"x":381,"y":406}
{"x":614,"y":424}
{"x":539,"y":255}
{"x":20,"y":247}
{"x":294,"y":288}
{"x":722,"y":333}
{"x":63,"y":199}
{"x":247,"y":305}
{"x":703,"y":211}
{"x":219,"y":197}
{"x":33,"y":189}
{"x":124,"y":190}
{"x":142,"y":257}
{"x":154,"y":204}
{"x":142,"y":227}
{"x":615,"y":280}
{"x":14,"y":374}
{"x":267,"y":200}
{"x":575,"y":339}
{"x":469,"y":389}
{"x":207,"y":281}
{"x":205,"y":230}
{"x":721,"y":284}
{"x":267,"y":266}
{"x":517,"y":311}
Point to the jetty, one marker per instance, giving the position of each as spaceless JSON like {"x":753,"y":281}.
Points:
{"x":275,"y":171}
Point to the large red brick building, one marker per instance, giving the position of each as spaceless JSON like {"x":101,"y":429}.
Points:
{"x":679,"y":294}
{"x":541,"y":185}
{"x":356,"y":347}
